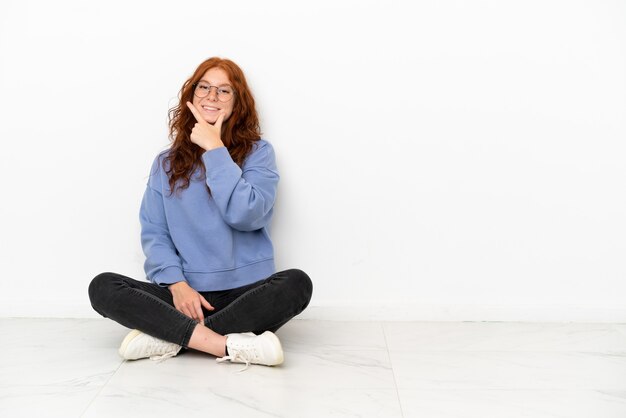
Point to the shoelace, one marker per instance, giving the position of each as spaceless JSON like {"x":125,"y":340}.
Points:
{"x":160,"y":346}
{"x":163,"y":357}
{"x":240,"y":355}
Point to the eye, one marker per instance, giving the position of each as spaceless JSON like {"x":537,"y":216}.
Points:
{"x":225,"y":90}
{"x":203,"y":86}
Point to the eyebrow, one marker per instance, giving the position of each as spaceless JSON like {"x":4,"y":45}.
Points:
{"x":218,"y":85}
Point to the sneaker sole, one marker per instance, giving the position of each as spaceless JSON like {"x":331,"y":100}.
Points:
{"x":278,"y":349}
{"x":131,"y":336}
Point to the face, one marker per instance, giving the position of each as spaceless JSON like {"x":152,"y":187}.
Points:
{"x":211,"y":105}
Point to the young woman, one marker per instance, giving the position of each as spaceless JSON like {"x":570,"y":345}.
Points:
{"x":205,"y":219}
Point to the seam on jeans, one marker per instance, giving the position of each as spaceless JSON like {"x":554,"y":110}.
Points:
{"x":189,"y":321}
{"x":187,"y":334}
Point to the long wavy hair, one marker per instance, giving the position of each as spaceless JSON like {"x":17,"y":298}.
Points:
{"x":239,"y":131}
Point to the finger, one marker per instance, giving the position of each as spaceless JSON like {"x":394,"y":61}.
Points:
{"x":195,"y":112}
{"x":218,"y":122}
{"x":190,"y":310}
{"x":186,"y":312}
{"x":192,"y":306}
{"x":200,"y":315}
{"x":206,"y":304}
{"x":194,"y":134}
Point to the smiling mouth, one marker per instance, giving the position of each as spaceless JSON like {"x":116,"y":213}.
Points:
{"x":210,"y":109}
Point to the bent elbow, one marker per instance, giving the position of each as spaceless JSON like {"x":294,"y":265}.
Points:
{"x":249,"y":223}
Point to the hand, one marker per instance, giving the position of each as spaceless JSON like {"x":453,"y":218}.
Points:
{"x":204,"y":134}
{"x":188,"y":301}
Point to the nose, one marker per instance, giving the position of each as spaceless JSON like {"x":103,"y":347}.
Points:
{"x":212,"y":93}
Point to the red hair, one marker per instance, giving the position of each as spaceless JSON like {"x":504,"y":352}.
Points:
{"x":239,"y":132}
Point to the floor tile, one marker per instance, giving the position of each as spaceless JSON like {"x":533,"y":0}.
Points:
{"x":62,"y":332}
{"x":344,"y":383}
{"x":55,"y":367}
{"x":504,"y":336}
{"x":310,"y":335}
{"x":225,"y":401}
{"x":508,"y":370}
{"x":37,"y":381}
{"x":512,"y":404}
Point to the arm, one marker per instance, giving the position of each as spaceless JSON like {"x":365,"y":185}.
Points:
{"x":162,"y":264}
{"x":245,"y":198}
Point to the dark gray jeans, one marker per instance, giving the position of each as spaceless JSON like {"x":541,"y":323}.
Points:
{"x":265,"y":305}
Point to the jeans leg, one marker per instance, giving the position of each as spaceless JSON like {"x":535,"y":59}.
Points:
{"x":265,"y":305}
{"x":147,"y":307}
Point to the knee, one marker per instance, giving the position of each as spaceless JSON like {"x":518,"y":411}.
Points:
{"x":302,"y":286}
{"x":99,"y":288}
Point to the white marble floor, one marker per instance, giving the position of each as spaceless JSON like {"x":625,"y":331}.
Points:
{"x":70,"y":368}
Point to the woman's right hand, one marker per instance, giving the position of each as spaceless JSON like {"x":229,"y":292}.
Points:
{"x":188,"y":301}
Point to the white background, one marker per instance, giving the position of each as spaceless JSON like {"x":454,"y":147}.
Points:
{"x":441,"y":160}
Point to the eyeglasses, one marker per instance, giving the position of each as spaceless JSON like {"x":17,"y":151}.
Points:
{"x":202,"y":89}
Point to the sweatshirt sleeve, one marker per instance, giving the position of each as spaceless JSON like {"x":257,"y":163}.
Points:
{"x":162,"y":265}
{"x":245,"y":198}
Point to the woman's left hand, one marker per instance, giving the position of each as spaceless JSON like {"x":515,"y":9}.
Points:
{"x":204,"y":134}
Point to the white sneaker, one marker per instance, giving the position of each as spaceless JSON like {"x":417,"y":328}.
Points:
{"x":253,"y":349}
{"x":138,"y":345}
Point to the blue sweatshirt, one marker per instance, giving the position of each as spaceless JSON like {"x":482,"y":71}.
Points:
{"x":213,"y":242}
